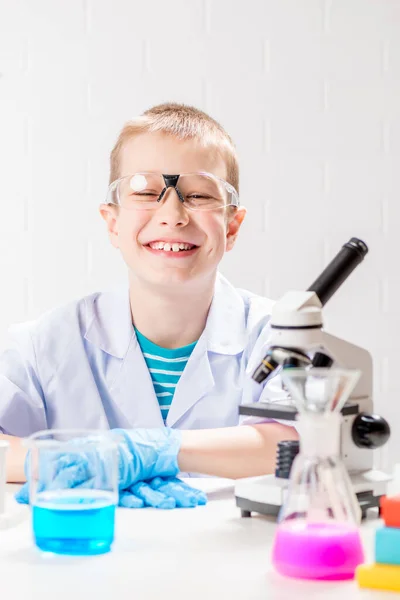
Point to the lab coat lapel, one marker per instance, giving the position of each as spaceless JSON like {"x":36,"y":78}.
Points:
{"x":111,"y":330}
{"x":133,"y":389}
{"x":225,"y":333}
{"x":196,"y":381}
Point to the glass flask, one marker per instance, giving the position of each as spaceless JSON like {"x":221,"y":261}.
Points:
{"x":317,"y":536}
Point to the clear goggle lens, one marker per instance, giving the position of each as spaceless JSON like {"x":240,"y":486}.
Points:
{"x":197,"y":191}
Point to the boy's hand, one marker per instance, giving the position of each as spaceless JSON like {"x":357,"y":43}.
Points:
{"x":165,"y":493}
{"x":168,"y":492}
{"x":59,"y":471}
{"x":143,"y":454}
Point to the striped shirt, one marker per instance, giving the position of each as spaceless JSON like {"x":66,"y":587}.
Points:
{"x":165,"y":367}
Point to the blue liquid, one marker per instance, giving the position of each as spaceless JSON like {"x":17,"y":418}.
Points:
{"x":74,"y":521}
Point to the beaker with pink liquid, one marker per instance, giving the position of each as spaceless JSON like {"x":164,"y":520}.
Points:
{"x":318,"y":526}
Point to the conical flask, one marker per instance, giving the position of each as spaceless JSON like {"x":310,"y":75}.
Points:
{"x":317,"y":535}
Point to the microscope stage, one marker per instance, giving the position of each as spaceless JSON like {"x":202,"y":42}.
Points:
{"x":267,"y":493}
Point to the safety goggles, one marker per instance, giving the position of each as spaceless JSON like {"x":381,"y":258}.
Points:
{"x":196,"y":191}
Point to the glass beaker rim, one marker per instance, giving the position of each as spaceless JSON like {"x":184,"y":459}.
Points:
{"x":320,"y":389}
{"x":43,"y":438}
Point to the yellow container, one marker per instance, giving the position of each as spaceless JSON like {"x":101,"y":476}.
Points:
{"x":379,"y":577}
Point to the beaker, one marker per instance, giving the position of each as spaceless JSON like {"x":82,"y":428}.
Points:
{"x":317,"y":535}
{"x":73,"y":490}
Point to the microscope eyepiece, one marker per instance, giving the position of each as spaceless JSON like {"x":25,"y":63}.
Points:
{"x":357,"y":245}
{"x":347,"y":259}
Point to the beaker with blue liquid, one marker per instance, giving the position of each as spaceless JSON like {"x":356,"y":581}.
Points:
{"x":73,"y":490}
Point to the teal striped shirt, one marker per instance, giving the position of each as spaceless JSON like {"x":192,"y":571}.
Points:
{"x":165,"y":367}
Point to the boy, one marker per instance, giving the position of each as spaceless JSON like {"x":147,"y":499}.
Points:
{"x":169,"y":356}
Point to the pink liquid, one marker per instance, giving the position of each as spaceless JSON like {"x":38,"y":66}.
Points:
{"x":317,"y":550}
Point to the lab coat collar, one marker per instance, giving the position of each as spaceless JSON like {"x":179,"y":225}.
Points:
{"x":110,"y":321}
{"x":225,"y":330}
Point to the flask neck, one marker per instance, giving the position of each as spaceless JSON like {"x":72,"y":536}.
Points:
{"x":319,"y":434}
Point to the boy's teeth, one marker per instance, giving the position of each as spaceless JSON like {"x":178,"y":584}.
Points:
{"x":175,"y":246}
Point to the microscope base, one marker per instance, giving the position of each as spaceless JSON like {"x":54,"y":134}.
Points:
{"x":247,"y":507}
{"x":266,"y":494}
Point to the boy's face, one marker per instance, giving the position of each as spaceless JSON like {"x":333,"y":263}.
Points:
{"x":134,"y":231}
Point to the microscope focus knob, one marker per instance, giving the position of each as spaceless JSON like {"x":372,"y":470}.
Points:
{"x":287,"y":451}
{"x":370,"y":431}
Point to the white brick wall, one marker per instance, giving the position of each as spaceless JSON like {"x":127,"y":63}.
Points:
{"x":310,"y":92}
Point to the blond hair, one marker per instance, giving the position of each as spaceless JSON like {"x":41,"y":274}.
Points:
{"x":183,"y":122}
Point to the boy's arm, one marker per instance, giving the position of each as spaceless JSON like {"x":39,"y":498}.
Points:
{"x":233,"y":452}
{"x":15,"y":459}
{"x":22,"y":410}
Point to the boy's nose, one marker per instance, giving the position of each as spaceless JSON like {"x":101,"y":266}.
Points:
{"x":171,"y":210}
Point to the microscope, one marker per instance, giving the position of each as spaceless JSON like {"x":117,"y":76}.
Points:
{"x":297,"y":340}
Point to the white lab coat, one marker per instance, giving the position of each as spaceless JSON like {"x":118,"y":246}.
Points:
{"x":80,"y":366}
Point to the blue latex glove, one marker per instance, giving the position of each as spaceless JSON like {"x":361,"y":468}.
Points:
{"x":143,"y":454}
{"x":162,"y":492}
{"x":166,"y":493}
{"x":68,"y":471}
{"x":147,"y":453}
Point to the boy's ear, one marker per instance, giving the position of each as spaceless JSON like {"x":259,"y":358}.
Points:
{"x":109,"y":214}
{"x":233,"y":225}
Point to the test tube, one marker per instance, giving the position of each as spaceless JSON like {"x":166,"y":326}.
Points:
{"x":3,"y":453}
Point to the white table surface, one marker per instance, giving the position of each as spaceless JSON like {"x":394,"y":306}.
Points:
{"x":205,"y":553}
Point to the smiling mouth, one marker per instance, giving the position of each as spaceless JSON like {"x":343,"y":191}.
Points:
{"x":171,"y":246}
